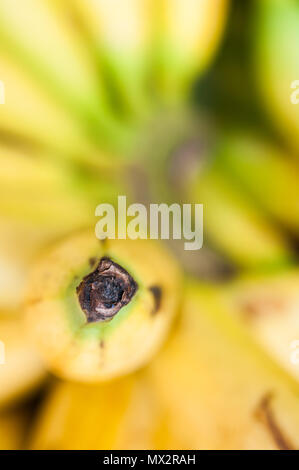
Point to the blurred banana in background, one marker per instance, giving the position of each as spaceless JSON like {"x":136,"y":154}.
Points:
{"x":276,"y":57}
{"x":188,"y":33}
{"x":268,"y":307}
{"x":267,"y":173}
{"x":36,"y":36}
{"x":31,"y":118}
{"x":121,"y":414}
{"x":235,"y":226}
{"x":120,"y":34}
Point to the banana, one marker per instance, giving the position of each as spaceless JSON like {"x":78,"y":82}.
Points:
{"x":235,"y":226}
{"x":30,"y":117}
{"x":210,"y":387}
{"x":98,"y":310}
{"x":121,"y":33}
{"x":276,"y":35}
{"x":188,"y":33}
{"x":267,"y":173}
{"x":21,"y":369}
{"x":35,"y":188}
{"x":268,"y":306}
{"x":218,"y":388}
{"x":74,"y":416}
{"x":35,"y":34}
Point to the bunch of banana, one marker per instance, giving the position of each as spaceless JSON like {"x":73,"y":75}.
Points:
{"x":35,"y":188}
{"x":152,"y":50}
{"x":276,"y":34}
{"x":100,"y":309}
{"x":268,"y":307}
{"x":36,"y":36}
{"x":30,"y":117}
{"x":210,"y":387}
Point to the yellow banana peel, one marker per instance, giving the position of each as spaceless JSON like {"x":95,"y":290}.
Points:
{"x":188,"y":33}
{"x":276,"y":57}
{"x":100,"y":309}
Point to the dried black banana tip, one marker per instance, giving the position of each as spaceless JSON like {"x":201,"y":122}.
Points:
{"x":103,"y":292}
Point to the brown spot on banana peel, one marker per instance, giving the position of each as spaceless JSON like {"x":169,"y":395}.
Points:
{"x":265,"y":413}
{"x":157,"y":294}
{"x":104,"y":291}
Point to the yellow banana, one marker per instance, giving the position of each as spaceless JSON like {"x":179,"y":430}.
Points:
{"x":210,"y":387}
{"x":218,"y":388}
{"x":35,"y":188}
{"x":188,"y":34}
{"x":28,"y":115}
{"x":101,"y":309}
{"x":268,"y":306}
{"x":235,"y":226}
{"x":21,"y":369}
{"x":267,"y":173}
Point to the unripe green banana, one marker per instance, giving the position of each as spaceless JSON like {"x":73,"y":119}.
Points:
{"x":188,"y":33}
{"x":267,"y":173}
{"x":268,"y":306}
{"x":36,"y":35}
{"x":30,"y":116}
{"x":276,"y":38}
{"x":120,"y":32}
{"x":98,"y":309}
{"x":21,"y":369}
{"x":210,"y":387}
